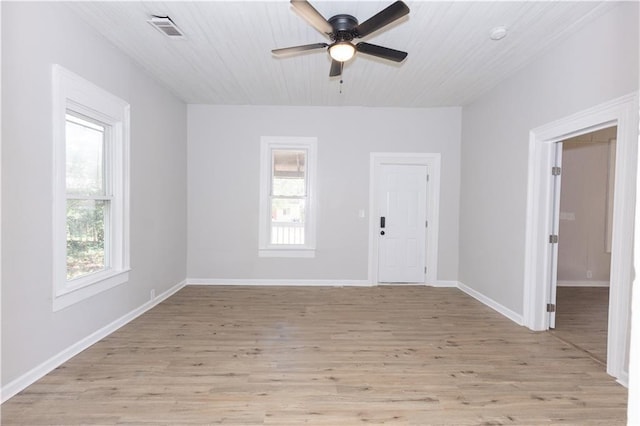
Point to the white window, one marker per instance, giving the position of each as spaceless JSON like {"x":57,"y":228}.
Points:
{"x":287,"y":204}
{"x":91,"y":189}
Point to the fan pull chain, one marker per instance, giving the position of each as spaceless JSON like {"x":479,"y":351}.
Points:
{"x":341,"y":81}
{"x":341,"y":86}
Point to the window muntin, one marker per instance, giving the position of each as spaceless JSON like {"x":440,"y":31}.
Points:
{"x":287,"y":226}
{"x":288,"y":197}
{"x":289,"y":172}
{"x":85,"y":155}
{"x":88,"y":200}
{"x":91,"y":189}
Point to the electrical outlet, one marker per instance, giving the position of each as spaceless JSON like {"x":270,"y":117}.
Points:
{"x":589,"y":274}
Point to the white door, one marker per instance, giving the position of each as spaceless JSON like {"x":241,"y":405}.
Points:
{"x":401,"y":218}
{"x":554,"y":237}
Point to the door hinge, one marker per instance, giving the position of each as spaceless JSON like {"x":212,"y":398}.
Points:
{"x":553,"y":239}
{"x":555,"y":171}
{"x":551,"y":307}
{"x":425,"y":270}
{"x":426,"y":223}
{"x":427,"y":178}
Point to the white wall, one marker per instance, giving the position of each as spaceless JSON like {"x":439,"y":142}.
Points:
{"x":596,"y":64}
{"x":34,"y":36}
{"x":633,"y":409}
{"x":223,"y":169}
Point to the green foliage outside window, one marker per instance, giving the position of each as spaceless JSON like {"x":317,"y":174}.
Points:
{"x":85,"y":237}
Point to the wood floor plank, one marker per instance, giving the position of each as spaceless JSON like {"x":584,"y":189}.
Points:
{"x":582,"y":318}
{"x":323,"y":356}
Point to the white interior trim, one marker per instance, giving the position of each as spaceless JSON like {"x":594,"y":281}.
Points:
{"x":445,"y":283}
{"x":52,"y":363}
{"x":622,"y":112}
{"x":304,"y":282}
{"x":513,"y":316}
{"x":624,"y":381}
{"x":72,"y":92}
{"x":278,"y":282}
{"x":1,"y":115}
{"x":633,"y":378}
{"x":566,"y":283}
{"x":501,"y":309}
{"x":432,"y":162}
{"x":36,"y":373}
{"x":267,"y":145}
{"x":308,"y":253}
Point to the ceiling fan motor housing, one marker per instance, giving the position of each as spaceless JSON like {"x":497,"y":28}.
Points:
{"x":344,"y":27}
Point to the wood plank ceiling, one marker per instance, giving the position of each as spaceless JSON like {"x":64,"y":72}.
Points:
{"x":226,"y":56}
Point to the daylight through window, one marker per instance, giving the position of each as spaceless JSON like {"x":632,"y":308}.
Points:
{"x":91,"y":189}
{"x":88,"y":195}
{"x":287,"y":227}
{"x":288,"y":196}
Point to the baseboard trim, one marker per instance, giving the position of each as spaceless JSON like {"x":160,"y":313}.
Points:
{"x":320,"y":283}
{"x":22,"y":382}
{"x":623,"y":379}
{"x":442,"y":283}
{"x":565,"y":283}
{"x":513,"y":316}
{"x":276,"y":282}
{"x":517,"y":318}
{"x":36,"y":373}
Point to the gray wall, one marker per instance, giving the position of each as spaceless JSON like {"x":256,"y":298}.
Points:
{"x":596,"y":64}
{"x":34,"y":36}
{"x":224,"y":182}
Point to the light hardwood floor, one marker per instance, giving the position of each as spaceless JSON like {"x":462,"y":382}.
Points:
{"x":582,"y":318}
{"x":323,"y":356}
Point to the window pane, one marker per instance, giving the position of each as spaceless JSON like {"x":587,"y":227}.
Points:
{"x":287,"y":221}
{"x":289,"y":173}
{"x":84,"y":146}
{"x":85,"y":237}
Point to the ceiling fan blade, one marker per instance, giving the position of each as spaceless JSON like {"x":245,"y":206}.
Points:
{"x":383,"y":18}
{"x":381,"y":52}
{"x":336,"y":68}
{"x":314,"y":17}
{"x":298,"y":49}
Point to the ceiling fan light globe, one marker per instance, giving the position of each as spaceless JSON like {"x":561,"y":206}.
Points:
{"x":342,"y":51}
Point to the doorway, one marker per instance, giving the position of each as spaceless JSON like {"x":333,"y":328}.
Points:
{"x":403,"y":222}
{"x":585,"y":218}
{"x":539,"y":228}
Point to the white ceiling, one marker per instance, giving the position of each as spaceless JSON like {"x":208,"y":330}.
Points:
{"x":226,"y":56}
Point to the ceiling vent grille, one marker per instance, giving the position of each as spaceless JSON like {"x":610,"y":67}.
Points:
{"x":165,"y":25}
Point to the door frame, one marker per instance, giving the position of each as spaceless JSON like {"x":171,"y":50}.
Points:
{"x":555,"y":230}
{"x":432,"y":162}
{"x":622,"y":112}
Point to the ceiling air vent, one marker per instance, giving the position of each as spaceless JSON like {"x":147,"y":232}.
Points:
{"x":165,"y":25}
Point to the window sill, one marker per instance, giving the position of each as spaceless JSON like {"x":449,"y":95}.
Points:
{"x":87,"y":287}
{"x":303,"y":253}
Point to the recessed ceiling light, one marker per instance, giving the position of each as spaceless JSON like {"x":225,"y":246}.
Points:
{"x":498,"y":33}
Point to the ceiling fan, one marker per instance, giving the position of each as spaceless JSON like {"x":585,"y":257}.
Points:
{"x":342,"y":30}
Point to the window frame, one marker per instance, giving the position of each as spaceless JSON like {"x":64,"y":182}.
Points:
{"x":73,"y":94}
{"x":267,"y":145}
